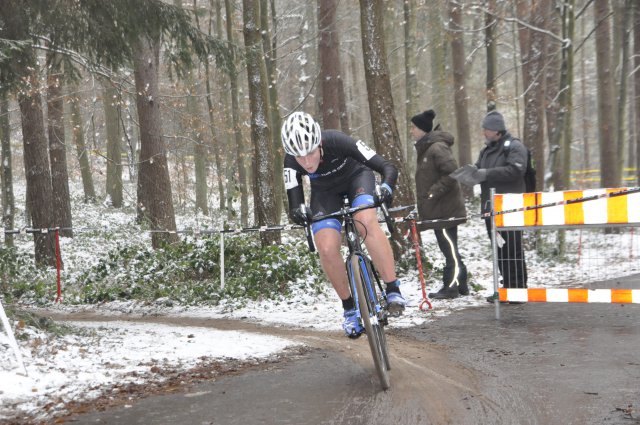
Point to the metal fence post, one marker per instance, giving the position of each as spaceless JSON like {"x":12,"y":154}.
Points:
{"x":222,"y":259}
{"x":494,"y":251}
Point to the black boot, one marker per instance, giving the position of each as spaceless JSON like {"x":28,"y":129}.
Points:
{"x":448,"y":277}
{"x":445,"y":293}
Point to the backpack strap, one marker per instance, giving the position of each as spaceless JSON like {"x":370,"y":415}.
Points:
{"x":506,"y":145}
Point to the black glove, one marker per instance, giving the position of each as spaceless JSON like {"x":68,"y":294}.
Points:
{"x":470,"y":175}
{"x":480,"y":175}
{"x":301,"y":216}
{"x":386,"y":194}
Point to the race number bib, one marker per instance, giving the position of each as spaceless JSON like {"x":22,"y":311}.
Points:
{"x":290,"y":180}
{"x":365,"y":150}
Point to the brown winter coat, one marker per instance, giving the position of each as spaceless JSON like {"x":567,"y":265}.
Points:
{"x":439,"y":196}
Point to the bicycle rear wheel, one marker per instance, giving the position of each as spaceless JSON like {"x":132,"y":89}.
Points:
{"x":373,"y":328}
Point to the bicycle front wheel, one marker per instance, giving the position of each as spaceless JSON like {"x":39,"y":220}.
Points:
{"x":375,"y":283}
{"x":373,"y":328}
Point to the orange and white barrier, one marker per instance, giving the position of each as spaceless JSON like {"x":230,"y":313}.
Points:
{"x":571,"y":295}
{"x":568,"y":208}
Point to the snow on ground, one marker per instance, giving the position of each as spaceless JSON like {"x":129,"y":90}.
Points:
{"x":80,"y":364}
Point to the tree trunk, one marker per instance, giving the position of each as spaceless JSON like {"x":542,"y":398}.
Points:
{"x":131,"y":134}
{"x":57,"y":148}
{"x":112,"y":111}
{"x":515,"y":57}
{"x":200,"y":151}
{"x":636,"y":79}
{"x":623,"y":9}
{"x":329,"y":57}
{"x":37,"y":171}
{"x":6,"y":173}
{"x":606,"y":119}
{"x":560,"y":133}
{"x":412,"y":94}
{"x":491,"y":24}
{"x":270,"y":56}
{"x":440,"y":99}
{"x":385,"y":129}
{"x":34,"y":139}
{"x":566,"y":102}
{"x":554,"y":70}
{"x":631,"y":133}
{"x":531,"y":50}
{"x":553,"y":66}
{"x":153,"y":176}
{"x":240,"y":145}
{"x":307,"y":56}
{"x":263,"y":165}
{"x":81,"y":148}
{"x":392,"y":39}
{"x":586,"y":106}
{"x":383,"y":121}
{"x":226,"y":140}
{"x":460,"y":87}
{"x":197,"y":130}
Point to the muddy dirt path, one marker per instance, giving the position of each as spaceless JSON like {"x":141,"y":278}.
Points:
{"x":540,"y":364}
{"x":333,"y":383}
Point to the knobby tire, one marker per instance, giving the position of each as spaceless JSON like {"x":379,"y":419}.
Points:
{"x":374,"y":331}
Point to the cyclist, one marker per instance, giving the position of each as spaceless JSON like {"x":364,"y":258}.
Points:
{"x":337,"y":166}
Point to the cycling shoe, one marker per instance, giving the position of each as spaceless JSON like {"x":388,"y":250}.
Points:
{"x":351,"y":325}
{"x":395,"y":303}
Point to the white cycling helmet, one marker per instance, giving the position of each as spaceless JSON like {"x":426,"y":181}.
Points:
{"x":300,"y":134}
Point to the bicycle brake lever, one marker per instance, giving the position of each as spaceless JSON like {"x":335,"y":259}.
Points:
{"x":385,"y":212}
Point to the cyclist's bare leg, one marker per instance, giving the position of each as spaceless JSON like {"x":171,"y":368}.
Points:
{"x":328,"y":242}
{"x":377,"y":244}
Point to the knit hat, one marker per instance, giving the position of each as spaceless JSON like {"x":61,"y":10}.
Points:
{"x":494,"y":121}
{"x":424,"y":121}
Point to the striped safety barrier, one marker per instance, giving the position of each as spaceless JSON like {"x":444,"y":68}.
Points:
{"x":589,"y":207}
{"x":571,"y":295}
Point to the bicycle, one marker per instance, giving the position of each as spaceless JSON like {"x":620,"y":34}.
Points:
{"x":371,"y":305}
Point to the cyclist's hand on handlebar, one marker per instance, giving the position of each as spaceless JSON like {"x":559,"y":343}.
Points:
{"x":301,"y":216}
{"x":386,"y":194}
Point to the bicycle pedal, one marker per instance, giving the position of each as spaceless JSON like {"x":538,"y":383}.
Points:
{"x":395,"y":310}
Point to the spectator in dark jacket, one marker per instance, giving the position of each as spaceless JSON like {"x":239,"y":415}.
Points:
{"x":440,"y":197}
{"x":501,"y":165}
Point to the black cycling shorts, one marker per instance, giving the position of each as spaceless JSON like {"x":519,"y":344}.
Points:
{"x":359,"y":189}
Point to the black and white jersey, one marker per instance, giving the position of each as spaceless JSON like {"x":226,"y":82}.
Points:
{"x":342,"y":158}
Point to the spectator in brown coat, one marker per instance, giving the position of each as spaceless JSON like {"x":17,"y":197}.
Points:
{"x":440,"y":197}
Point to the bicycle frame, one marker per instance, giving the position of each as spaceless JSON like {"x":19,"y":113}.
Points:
{"x":363,"y":279}
{"x":369,"y":272}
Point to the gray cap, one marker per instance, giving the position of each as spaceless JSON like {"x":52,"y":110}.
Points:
{"x":494,"y":121}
